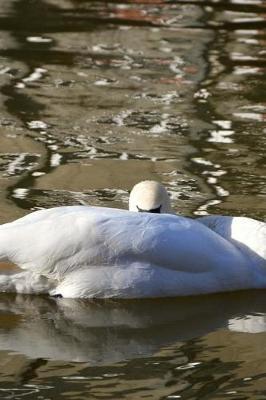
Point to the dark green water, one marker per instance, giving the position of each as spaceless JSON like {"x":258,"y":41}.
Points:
{"x":96,"y":96}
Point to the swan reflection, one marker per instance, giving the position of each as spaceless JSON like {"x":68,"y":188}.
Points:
{"x":111,"y":331}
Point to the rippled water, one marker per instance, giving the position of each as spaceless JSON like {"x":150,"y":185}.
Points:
{"x":96,"y":96}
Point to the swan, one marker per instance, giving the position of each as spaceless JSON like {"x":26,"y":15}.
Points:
{"x":97,"y":252}
{"x":247,"y":234}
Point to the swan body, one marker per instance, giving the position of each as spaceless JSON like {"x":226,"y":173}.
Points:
{"x":96,"y":252}
{"x":246,"y":234}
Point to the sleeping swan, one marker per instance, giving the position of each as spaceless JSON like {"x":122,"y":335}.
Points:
{"x":96,"y":252}
{"x":247,"y":234}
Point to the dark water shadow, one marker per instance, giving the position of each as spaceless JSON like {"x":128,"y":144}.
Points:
{"x":106,"y":332}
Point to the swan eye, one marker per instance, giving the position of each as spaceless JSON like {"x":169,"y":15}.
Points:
{"x":153,"y":210}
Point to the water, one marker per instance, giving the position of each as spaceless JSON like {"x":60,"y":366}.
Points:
{"x":96,"y":96}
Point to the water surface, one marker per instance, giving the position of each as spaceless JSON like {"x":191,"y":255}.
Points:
{"x":96,"y":96}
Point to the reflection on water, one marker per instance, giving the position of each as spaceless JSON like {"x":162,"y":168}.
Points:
{"x":112,"y":348}
{"x":104,"y":332}
{"x":96,"y":96}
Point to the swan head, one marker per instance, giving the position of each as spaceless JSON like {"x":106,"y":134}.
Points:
{"x":149,"y":196}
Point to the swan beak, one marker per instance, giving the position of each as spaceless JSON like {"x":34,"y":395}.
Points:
{"x":153,"y":210}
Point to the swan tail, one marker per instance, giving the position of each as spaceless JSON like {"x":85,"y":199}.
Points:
{"x":25,"y":282}
{"x":18,"y":281}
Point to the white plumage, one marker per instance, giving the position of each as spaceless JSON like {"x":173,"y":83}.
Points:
{"x":247,"y":234}
{"x":98,"y":252}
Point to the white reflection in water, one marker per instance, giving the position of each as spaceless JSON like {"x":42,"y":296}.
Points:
{"x":225,"y":124}
{"x":105,"y":48}
{"x":55,"y":159}
{"x":255,"y":107}
{"x":20,"y":85}
{"x":38,"y":173}
{"x":37,"y":125}
{"x":167,"y":98}
{"x":35,"y":75}
{"x":211,"y":180}
{"x":20,"y":193}
{"x":248,"y":40}
{"x":103,"y":82}
{"x":15,"y":165}
{"x":202,"y":161}
{"x":202,"y":94}
{"x":175,"y":66}
{"x":111,"y":331}
{"x":244,"y":70}
{"x":247,"y":32}
{"x":229,"y":86}
{"x":189,"y":365}
{"x":19,"y":164}
{"x":212,"y":177}
{"x":251,"y":2}
{"x":124,"y":156}
{"x":242,"y":57}
{"x":120,"y":118}
{"x":202,"y":210}
{"x":221,"y":136}
{"x":17,"y":393}
{"x":219,"y":172}
{"x":250,"y":19}
{"x":52,"y":146}
{"x":4,"y":70}
{"x":221,"y":191}
{"x":246,"y":115}
{"x":39,"y":39}
{"x":249,"y":324}
{"x":159,"y":128}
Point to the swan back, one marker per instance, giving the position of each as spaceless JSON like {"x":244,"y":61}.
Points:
{"x":101,"y":252}
{"x":247,"y":234}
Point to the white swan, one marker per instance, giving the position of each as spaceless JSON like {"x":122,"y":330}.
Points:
{"x":247,"y":234}
{"x":90,"y":252}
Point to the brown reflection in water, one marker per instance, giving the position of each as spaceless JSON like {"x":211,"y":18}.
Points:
{"x":235,"y":100}
{"x":5,"y":267}
{"x":130,"y":93}
{"x":59,"y":96}
{"x":100,"y":174}
{"x":248,"y":352}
